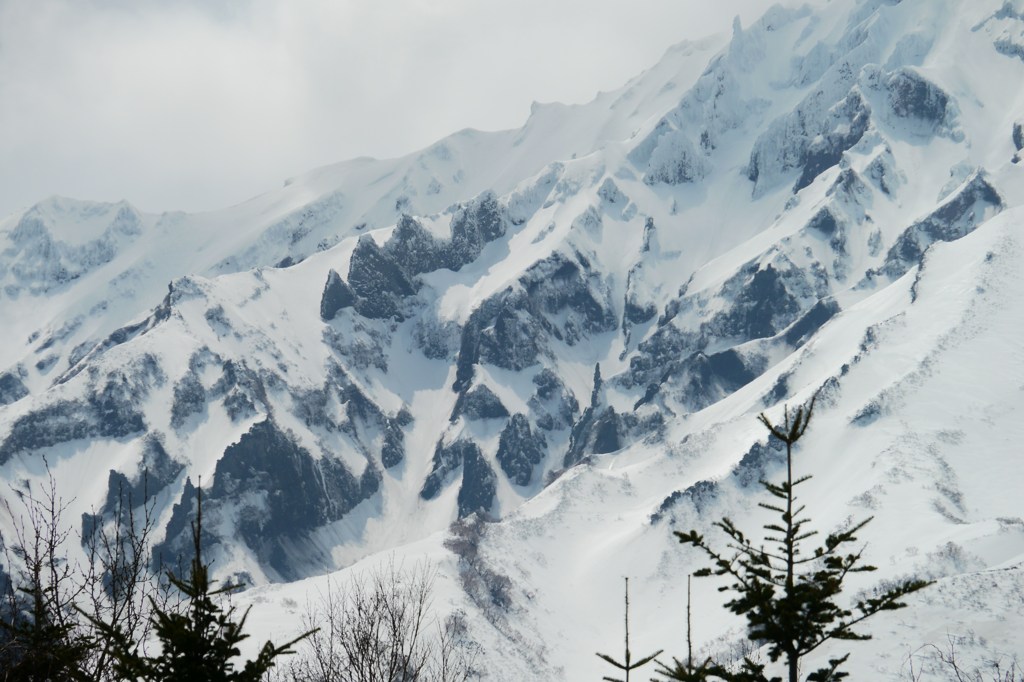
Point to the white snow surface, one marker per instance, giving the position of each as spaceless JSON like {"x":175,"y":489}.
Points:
{"x":919,"y":375}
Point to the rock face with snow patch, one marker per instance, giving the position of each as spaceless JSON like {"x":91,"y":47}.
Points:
{"x":377,"y":281}
{"x":554,"y":404}
{"x":12,"y":388}
{"x":125,"y":495}
{"x":520,"y":450}
{"x":473,"y":226}
{"x":958,"y":216}
{"x":381,"y":277}
{"x":559,"y":298}
{"x":273,"y":492}
{"x":38,"y":260}
{"x":913,"y":97}
{"x":477,"y":488}
{"x":476,"y":494}
{"x":109,"y":410}
{"x":756,"y":303}
{"x":670,"y":157}
{"x":337,"y":295}
{"x":479,"y":403}
{"x":810,"y":139}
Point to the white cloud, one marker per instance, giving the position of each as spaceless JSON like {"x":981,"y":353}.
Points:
{"x":202,"y":104}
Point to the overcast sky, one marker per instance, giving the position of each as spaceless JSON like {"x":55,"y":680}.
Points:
{"x":196,"y":104}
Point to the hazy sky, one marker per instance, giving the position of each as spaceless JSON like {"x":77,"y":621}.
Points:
{"x":195,"y":104}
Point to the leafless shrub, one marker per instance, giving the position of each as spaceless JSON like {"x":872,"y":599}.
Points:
{"x":382,"y":627}
{"x":55,"y":601}
{"x":119,"y":590}
{"x":41,"y":628}
{"x":489,"y":590}
{"x":947,"y":660}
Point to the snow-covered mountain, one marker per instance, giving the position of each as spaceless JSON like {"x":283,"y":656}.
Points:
{"x":567,"y":330}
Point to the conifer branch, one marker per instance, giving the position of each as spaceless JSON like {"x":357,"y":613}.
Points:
{"x":628,"y":664}
{"x":788,"y":596}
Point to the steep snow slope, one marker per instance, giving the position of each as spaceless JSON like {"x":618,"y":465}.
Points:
{"x":897,"y":437}
{"x":566,"y":331}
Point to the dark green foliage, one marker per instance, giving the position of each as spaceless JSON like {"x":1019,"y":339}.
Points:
{"x":41,"y":637}
{"x":687,"y":671}
{"x":628,"y":663}
{"x":789,"y":597}
{"x":36,"y":646}
{"x":198,"y":643}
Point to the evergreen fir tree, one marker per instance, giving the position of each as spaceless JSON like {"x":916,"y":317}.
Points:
{"x":627,"y":665}
{"x":789,"y":597}
{"x":36,"y":646}
{"x":198,"y":643}
{"x":41,"y":636}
